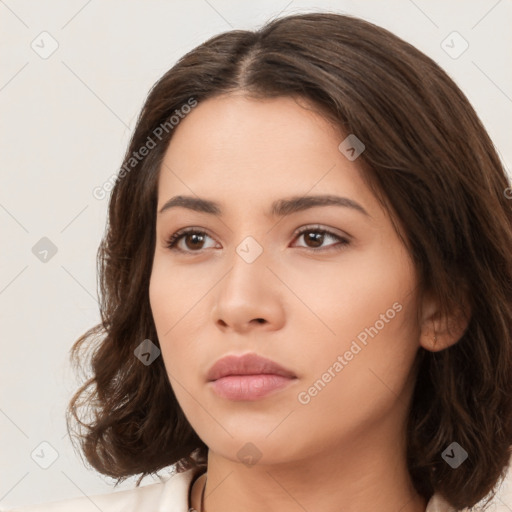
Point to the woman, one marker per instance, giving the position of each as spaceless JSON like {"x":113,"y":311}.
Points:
{"x":306,"y":284}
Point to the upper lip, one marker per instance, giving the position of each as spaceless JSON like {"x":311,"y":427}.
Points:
{"x":248,"y":364}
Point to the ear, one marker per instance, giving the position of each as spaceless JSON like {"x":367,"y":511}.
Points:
{"x":438,"y":331}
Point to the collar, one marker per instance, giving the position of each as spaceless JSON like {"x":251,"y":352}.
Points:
{"x":178,"y":487}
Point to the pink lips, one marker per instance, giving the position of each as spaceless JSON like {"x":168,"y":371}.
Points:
{"x":248,"y":377}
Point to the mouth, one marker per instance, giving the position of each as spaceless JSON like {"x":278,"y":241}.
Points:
{"x":249,"y":387}
{"x":248,"y":377}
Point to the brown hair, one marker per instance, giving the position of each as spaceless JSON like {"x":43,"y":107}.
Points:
{"x":429,"y":160}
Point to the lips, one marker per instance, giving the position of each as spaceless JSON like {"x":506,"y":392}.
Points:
{"x":248,"y":378}
{"x":248,"y":364}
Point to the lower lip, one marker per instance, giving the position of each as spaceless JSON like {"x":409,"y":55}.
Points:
{"x":249,"y":387}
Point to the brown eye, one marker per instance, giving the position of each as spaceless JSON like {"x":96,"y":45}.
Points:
{"x":314,"y":238}
{"x":193,"y":240}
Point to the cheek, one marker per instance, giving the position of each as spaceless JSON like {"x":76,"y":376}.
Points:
{"x":353,"y":384}
{"x":177,"y":319}
{"x":164,"y":308}
{"x":344,"y":297}
{"x":370,"y":310}
{"x":171,"y":295}
{"x":178,"y":288}
{"x":159,"y":300}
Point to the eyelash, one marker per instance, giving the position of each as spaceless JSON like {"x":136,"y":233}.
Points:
{"x":172,"y":241}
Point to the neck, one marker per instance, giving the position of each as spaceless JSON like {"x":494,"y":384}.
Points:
{"x":349,"y":479}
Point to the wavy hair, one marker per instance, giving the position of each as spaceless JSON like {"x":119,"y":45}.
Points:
{"x":431,"y":163}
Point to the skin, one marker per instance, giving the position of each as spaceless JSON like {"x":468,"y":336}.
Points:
{"x":345,"y":448}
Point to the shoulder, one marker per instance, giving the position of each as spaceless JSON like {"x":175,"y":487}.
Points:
{"x":171,"y":491}
{"x":438,"y":504}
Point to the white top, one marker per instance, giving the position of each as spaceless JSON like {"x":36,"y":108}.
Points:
{"x":169,"y":495}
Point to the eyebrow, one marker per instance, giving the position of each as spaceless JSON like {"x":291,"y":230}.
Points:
{"x":279,"y":208}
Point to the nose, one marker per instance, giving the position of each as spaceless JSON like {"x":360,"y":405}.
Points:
{"x":249,"y":297}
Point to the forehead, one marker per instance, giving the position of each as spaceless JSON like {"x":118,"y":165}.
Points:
{"x":237,"y":147}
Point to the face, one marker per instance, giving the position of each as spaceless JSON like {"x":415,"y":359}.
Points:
{"x":326,"y":291}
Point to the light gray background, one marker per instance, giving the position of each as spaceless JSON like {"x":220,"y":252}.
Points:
{"x":65,"y":123}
